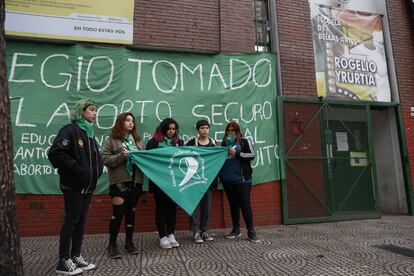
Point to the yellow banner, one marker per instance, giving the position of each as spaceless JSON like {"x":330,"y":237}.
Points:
{"x":93,"y":20}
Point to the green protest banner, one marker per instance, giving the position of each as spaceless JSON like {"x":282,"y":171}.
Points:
{"x":45,"y":80}
{"x":183,"y":173}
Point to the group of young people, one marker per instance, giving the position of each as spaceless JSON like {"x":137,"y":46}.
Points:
{"x":76,"y":155}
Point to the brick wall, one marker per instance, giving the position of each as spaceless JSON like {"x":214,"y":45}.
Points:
{"x":209,"y":26}
{"x":296,"y":48}
{"x":237,"y":28}
{"x":409,"y":135}
{"x":216,"y":26}
{"x":40,"y":215}
{"x":177,"y":24}
{"x":399,"y":17}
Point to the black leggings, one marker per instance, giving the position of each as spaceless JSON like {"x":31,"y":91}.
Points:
{"x":238,"y":196}
{"x":130,"y":196}
{"x":165,"y":212}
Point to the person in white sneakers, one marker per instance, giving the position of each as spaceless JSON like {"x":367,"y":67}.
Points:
{"x":166,"y":135}
{"x":199,"y":220}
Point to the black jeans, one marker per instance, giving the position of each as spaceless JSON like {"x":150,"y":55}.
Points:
{"x":238,"y":196}
{"x":130,"y":193}
{"x":165,"y":212}
{"x":200,"y":219}
{"x":71,"y":234}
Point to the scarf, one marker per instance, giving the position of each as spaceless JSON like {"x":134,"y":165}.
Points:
{"x":167,"y":142}
{"x":129,"y":143}
{"x":86,"y":126}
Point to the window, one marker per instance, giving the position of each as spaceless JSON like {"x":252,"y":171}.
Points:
{"x":262,"y":25}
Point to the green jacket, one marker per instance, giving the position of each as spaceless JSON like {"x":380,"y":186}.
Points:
{"x":115,"y":160}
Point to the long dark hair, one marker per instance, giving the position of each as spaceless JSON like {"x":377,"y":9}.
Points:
{"x":161,"y":131}
{"x":118,"y":129}
{"x":237,"y":132}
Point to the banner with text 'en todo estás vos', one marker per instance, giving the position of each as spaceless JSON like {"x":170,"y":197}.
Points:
{"x":78,"y":20}
{"x":46,"y":80}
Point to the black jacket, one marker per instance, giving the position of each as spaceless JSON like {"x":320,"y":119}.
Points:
{"x":245,"y":156}
{"x":192,"y":142}
{"x":153,"y":144}
{"x":77,"y":158}
{"x":212,"y":143}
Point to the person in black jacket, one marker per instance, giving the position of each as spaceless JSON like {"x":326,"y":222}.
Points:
{"x":200,"y":218}
{"x":75,"y":154}
{"x":236,"y":176}
{"x":166,"y":135}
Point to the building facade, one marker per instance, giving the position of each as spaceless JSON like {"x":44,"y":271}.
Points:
{"x":370,"y":176}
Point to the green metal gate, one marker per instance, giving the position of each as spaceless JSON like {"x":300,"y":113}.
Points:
{"x":328,"y":165}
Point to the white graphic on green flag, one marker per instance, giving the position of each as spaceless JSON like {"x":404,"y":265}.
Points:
{"x":183,"y":173}
{"x":191,"y":166}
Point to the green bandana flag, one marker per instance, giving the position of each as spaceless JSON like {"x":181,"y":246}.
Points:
{"x":183,"y":173}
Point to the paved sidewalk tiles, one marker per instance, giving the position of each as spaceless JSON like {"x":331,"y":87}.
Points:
{"x":362,"y":247}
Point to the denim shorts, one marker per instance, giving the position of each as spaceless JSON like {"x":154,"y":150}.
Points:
{"x":125,"y":189}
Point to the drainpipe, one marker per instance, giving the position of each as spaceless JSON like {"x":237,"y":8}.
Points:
{"x":274,"y":42}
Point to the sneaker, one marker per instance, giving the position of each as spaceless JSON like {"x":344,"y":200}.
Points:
{"x":82,"y":264}
{"x":206,"y":236}
{"x":165,"y":243}
{"x":173,"y":241}
{"x":130,"y":248}
{"x":233,"y":234}
{"x":67,"y":267}
{"x":113,"y":252}
{"x":197,"y":238}
{"x":252,"y":237}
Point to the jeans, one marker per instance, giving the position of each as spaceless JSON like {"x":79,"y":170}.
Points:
{"x":71,"y":234}
{"x":200,"y":219}
{"x":238,"y":196}
{"x":127,"y":208}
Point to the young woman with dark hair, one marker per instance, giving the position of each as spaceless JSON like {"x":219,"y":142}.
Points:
{"x":236,"y":176}
{"x":166,"y":135}
{"x":124,"y":188}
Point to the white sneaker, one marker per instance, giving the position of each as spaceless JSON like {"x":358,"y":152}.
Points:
{"x":165,"y":243}
{"x":173,"y":241}
{"x":207,"y":237}
{"x":197,"y":238}
{"x":82,"y":264}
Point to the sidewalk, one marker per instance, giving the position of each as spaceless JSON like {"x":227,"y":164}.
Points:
{"x":371,"y":247}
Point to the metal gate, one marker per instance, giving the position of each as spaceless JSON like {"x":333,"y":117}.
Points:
{"x":328,"y":161}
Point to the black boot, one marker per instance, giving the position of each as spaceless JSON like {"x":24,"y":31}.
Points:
{"x":130,"y":248}
{"x":113,"y":252}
